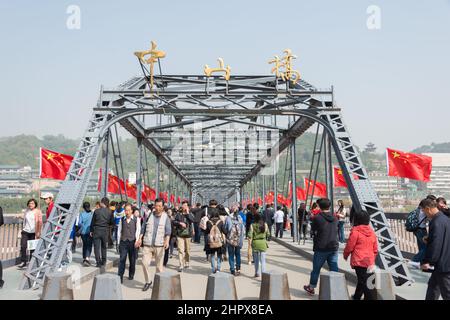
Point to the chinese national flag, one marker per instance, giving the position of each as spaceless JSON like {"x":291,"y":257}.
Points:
{"x":172,"y":198}
{"x":149,"y":193}
{"x":260,"y":202}
{"x":178,"y":200}
{"x":270,"y":197}
{"x":131,"y":190}
{"x":113,"y":184}
{"x":301,"y":194}
{"x":164,"y":196}
{"x":320,"y":189}
{"x":54,"y":165}
{"x":408,"y":165}
{"x":281,"y":199}
{"x":339,"y":180}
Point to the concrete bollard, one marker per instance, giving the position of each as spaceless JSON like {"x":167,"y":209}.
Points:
{"x":57,"y":286}
{"x":383,"y":286}
{"x":106,"y":287}
{"x":167,"y":286}
{"x":221,"y":286}
{"x":274,"y":286}
{"x":333,"y":286}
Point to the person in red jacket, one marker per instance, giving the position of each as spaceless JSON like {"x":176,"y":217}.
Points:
{"x":363,"y":247}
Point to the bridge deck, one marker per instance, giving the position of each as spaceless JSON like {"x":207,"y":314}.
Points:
{"x":293,"y":259}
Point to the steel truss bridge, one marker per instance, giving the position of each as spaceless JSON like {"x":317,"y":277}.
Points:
{"x":249,"y":109}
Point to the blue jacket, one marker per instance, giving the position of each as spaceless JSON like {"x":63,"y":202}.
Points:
{"x":243,"y":216}
{"x":84,"y":222}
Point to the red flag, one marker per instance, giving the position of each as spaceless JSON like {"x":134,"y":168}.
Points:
{"x":150,"y":194}
{"x":301,"y":194}
{"x":281,"y":199}
{"x":131,"y":190}
{"x":113,"y":184}
{"x":320,"y":189}
{"x":260,"y":202}
{"x":164,"y":196}
{"x":339,"y":180}
{"x":172,"y":198}
{"x":178,"y":200}
{"x":408,"y":165}
{"x":54,"y":165}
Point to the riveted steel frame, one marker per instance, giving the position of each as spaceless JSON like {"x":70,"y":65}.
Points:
{"x":189,"y":99}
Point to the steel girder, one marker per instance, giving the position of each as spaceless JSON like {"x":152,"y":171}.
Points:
{"x":242,"y":97}
{"x":56,"y":231}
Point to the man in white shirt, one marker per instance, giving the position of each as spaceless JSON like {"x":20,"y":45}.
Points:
{"x":279,"y":219}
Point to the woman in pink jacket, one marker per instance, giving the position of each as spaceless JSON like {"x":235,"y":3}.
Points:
{"x":363,"y":247}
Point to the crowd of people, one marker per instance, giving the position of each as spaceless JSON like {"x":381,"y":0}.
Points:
{"x":156,"y":230}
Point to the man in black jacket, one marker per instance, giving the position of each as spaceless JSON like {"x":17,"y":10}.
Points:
{"x":268,"y":217}
{"x":437,"y":254}
{"x":184,"y":226}
{"x":102,"y":221}
{"x":325,"y":230}
{"x":198,"y":213}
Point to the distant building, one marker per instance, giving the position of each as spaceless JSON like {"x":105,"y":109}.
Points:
{"x":15,"y":170}
{"x":440,"y":174}
{"x":14,"y":186}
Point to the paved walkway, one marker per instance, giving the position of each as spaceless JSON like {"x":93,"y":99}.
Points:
{"x":193,"y":280}
{"x":415,"y":291}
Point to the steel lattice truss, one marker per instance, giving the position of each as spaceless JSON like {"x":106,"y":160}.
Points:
{"x":204,"y":109}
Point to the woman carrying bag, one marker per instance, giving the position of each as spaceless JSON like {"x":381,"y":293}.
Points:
{"x":32,"y":225}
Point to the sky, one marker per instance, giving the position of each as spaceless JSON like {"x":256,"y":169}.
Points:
{"x":392,"y":83}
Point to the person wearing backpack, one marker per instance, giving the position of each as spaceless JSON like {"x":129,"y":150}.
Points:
{"x":362,"y":245}
{"x":258,"y":234}
{"x":234,"y":227}
{"x":416,"y":223}
{"x":215,"y":243}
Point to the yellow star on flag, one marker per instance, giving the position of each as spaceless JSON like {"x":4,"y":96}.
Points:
{"x":339,"y":171}
{"x":50,"y":156}
{"x":395,"y":154}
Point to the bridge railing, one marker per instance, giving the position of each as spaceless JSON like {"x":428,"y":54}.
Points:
{"x":9,"y":241}
{"x":10,"y":234}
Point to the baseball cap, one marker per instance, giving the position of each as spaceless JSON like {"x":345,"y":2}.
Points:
{"x":46,"y":195}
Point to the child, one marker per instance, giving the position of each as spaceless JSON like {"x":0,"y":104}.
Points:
{"x":362,"y":245}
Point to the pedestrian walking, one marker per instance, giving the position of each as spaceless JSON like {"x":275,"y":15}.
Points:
{"x":279,"y":220}
{"x":101,"y":224}
{"x":197,"y":212}
{"x":437,"y":253}
{"x":234,"y":227}
{"x":32,"y":225}
{"x":215,"y":243}
{"x":325,"y":239}
{"x":155,"y":236}
{"x":184,"y":224}
{"x":303,"y":220}
{"x":129,"y":229}
{"x":268,"y":217}
{"x":362,"y":245}
{"x":84,"y":224}
{"x":258,"y":234}
{"x":341,"y":214}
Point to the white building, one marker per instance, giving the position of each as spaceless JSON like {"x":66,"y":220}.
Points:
{"x":440,"y":174}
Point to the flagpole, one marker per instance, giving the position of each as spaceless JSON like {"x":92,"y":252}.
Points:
{"x":40,"y":173}
{"x":387,"y":175}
